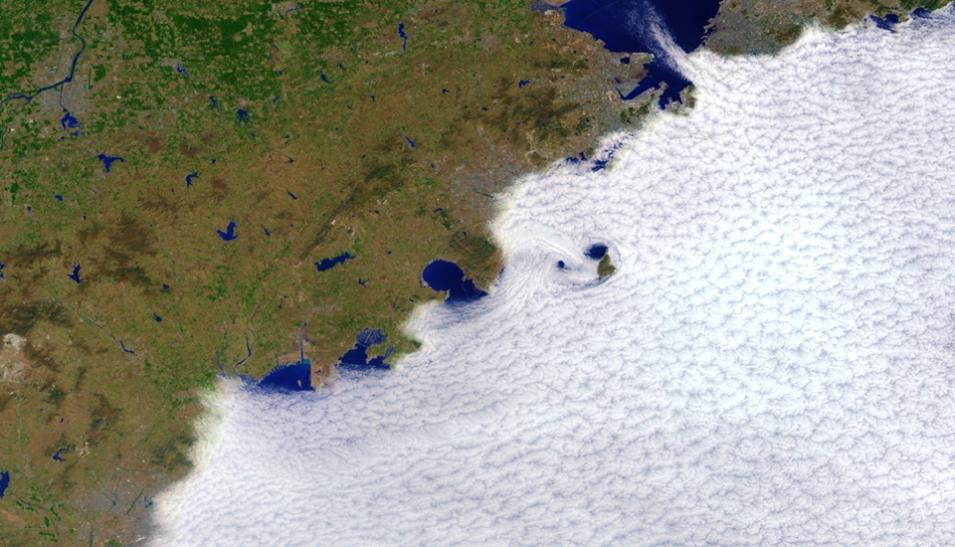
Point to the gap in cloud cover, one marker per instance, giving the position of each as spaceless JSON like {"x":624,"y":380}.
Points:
{"x":770,"y":363}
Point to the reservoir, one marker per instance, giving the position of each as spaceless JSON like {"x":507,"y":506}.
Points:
{"x":329,"y":263}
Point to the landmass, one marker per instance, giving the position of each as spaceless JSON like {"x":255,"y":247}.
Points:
{"x":765,"y":26}
{"x":188,"y":187}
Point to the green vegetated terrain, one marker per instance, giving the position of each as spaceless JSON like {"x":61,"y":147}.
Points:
{"x":318,"y":130}
{"x":765,"y":26}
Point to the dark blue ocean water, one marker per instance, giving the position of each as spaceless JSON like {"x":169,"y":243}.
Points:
{"x":596,"y":251}
{"x":290,"y":377}
{"x":886,"y":23}
{"x":626,"y":26}
{"x":442,"y":275}
{"x":356,"y":359}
